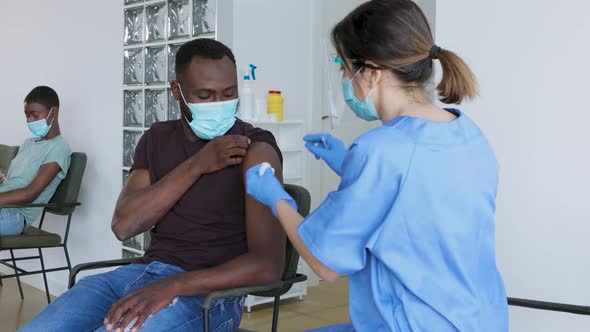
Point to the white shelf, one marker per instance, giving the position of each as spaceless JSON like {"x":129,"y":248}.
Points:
{"x":278,"y":123}
{"x":291,"y":150}
{"x":292,"y":178}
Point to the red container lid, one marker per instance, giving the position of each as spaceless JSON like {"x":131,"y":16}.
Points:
{"x":274,"y":92}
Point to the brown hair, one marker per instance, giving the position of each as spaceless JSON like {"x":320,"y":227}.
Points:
{"x":395,"y":35}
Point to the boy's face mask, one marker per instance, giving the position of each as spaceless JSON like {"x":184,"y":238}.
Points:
{"x":40,"y":128}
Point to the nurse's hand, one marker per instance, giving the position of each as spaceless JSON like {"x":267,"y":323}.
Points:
{"x":328,"y":148}
{"x":262,"y":184}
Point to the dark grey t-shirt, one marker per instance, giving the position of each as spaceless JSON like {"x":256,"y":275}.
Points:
{"x":206,"y":227}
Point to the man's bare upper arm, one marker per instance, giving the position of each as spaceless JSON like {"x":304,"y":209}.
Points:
{"x":264,"y":232}
{"x":137,"y":180}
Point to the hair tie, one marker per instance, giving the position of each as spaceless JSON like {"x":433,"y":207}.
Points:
{"x":434,"y":52}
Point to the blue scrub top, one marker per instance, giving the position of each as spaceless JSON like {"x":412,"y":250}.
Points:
{"x":412,"y":224}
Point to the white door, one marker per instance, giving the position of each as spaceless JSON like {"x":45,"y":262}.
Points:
{"x":327,"y":14}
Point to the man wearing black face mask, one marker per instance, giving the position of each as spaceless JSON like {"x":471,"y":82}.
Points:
{"x":187,"y":187}
{"x":40,"y":165}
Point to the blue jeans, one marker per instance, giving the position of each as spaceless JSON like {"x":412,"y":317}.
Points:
{"x":84,"y":307}
{"x":12,"y":222}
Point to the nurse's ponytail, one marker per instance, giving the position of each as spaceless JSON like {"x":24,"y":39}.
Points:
{"x":395,"y":35}
{"x":458,"y":81}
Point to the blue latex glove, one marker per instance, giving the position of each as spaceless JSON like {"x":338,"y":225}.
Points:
{"x":266,"y":188}
{"x":328,"y":148}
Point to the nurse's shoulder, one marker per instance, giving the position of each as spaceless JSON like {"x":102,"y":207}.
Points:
{"x":386,"y":145}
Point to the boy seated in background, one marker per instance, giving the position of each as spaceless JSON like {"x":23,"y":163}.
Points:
{"x":40,"y":165}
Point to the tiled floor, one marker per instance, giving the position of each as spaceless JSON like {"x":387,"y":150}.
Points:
{"x":325,"y":305}
{"x":15,"y":312}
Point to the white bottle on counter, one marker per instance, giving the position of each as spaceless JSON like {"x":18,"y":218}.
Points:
{"x":260,"y":110}
{"x":247,"y":99}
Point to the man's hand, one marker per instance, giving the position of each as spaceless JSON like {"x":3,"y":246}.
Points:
{"x":222,"y":152}
{"x":2,"y":177}
{"x":136,"y":210}
{"x":141,"y":304}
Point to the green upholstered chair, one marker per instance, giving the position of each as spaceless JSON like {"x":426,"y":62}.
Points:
{"x":63,"y":203}
{"x":7,"y":153}
{"x":274,"y":290}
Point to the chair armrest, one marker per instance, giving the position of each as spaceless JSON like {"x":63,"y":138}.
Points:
{"x":241,"y":291}
{"x":298,"y":278}
{"x":96,"y":265}
{"x":38,"y":205}
{"x":551,"y":306}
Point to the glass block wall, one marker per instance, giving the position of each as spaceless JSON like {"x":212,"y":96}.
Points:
{"x":153,"y":32}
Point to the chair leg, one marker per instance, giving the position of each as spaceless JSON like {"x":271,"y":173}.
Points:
{"x":205,"y":320}
{"x":1,"y":279}
{"x":20,"y":287}
{"x":44,"y":276}
{"x":275,"y":314}
{"x":67,"y":258}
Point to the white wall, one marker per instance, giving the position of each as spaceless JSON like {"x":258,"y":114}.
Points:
{"x":531,"y":58}
{"x":75,"y":47}
{"x":275,"y":36}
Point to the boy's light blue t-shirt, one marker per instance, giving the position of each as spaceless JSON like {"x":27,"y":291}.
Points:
{"x":33,"y":154}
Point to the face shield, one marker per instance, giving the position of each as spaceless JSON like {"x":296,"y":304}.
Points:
{"x":333,"y":74}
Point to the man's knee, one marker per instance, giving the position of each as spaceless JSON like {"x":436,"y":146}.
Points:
{"x":81,"y":308}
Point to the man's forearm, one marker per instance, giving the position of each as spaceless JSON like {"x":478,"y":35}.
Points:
{"x":245,"y":270}
{"x":140,"y":210}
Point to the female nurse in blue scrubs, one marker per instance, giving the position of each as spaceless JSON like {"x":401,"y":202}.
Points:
{"x":412,"y":222}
